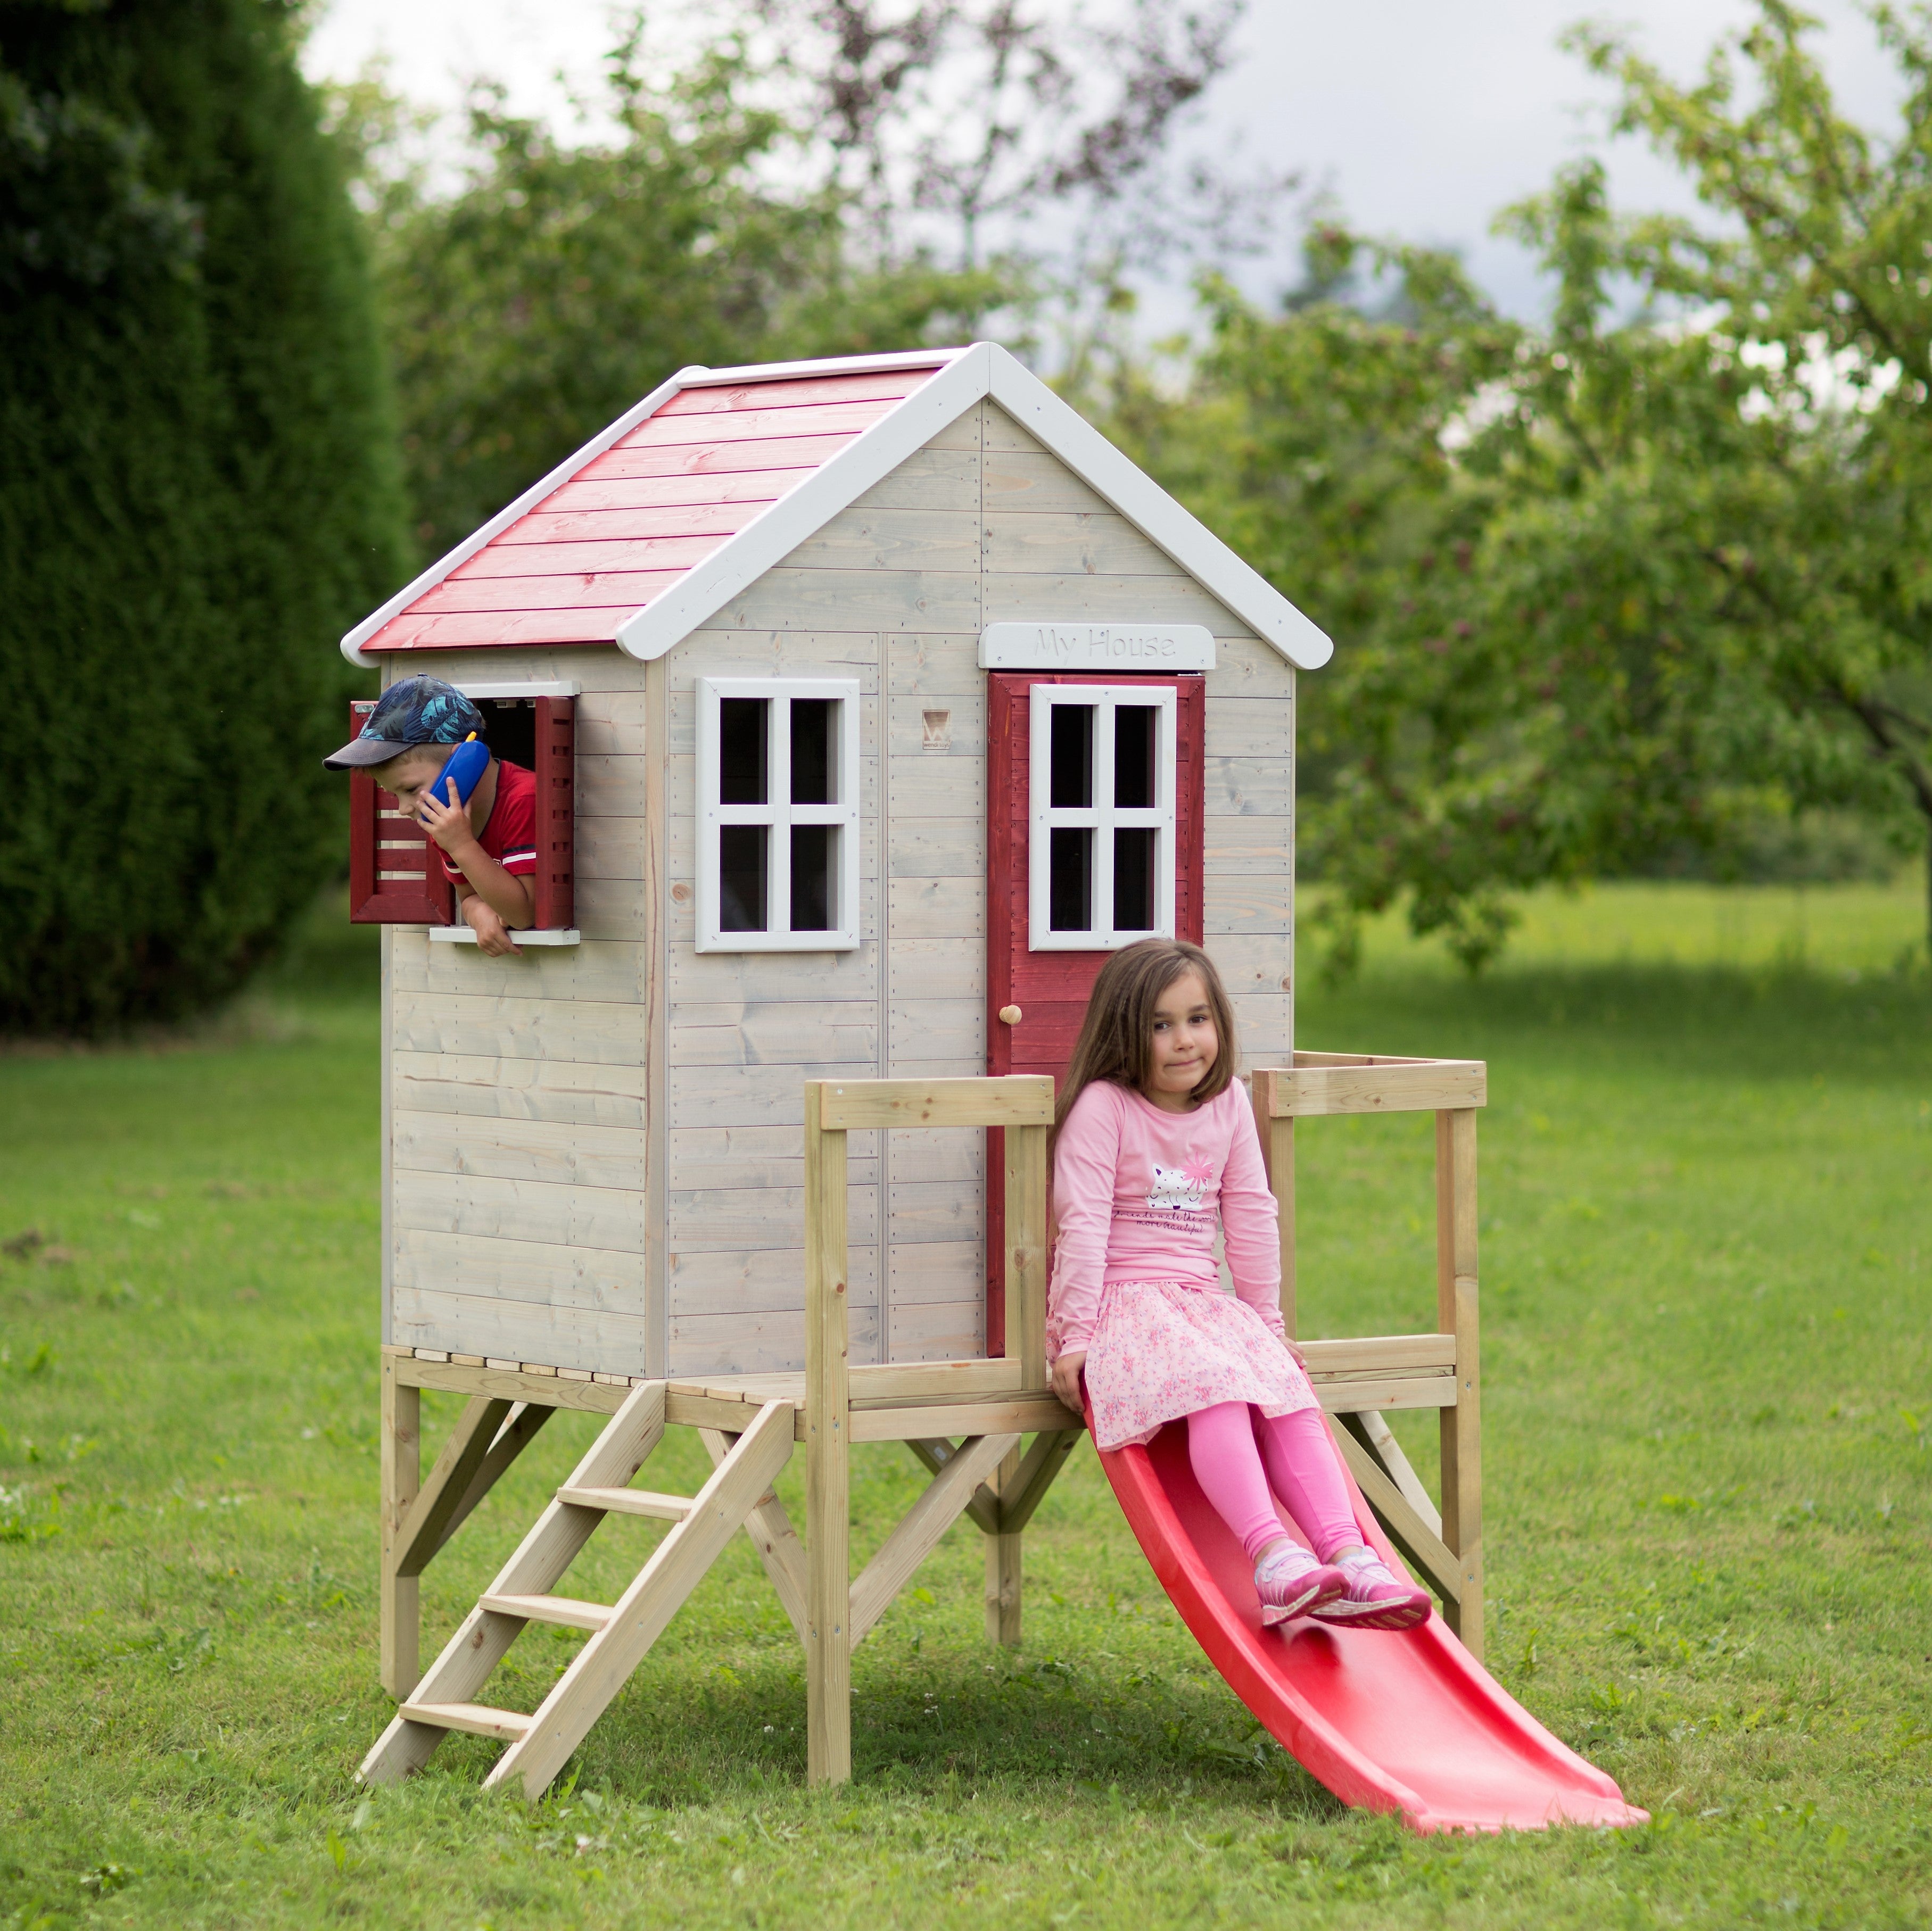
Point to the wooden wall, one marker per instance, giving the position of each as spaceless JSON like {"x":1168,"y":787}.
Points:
{"x":595,"y":1152}
{"x":519,"y":1092}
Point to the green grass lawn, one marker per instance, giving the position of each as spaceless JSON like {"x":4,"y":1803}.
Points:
{"x":1707,"y":1226}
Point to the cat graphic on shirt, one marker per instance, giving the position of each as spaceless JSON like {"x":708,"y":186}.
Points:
{"x":1179,"y":1189}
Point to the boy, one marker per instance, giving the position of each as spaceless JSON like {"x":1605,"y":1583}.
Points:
{"x":489,"y":848}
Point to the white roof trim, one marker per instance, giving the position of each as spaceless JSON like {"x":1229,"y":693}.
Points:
{"x":1156,"y":514}
{"x":965,"y":377}
{"x":835,"y":365}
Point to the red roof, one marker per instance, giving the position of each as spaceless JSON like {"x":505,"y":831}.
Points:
{"x":631,"y":521}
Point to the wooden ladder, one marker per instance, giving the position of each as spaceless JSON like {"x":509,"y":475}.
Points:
{"x":620,"y":1632}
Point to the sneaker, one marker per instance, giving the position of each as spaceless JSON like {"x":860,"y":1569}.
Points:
{"x":1372,"y":1598}
{"x":1291,"y":1582}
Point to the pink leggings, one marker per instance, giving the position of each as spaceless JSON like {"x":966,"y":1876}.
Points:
{"x":1300,"y":1462}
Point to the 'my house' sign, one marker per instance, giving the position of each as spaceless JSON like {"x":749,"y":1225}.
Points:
{"x":1039,"y":646}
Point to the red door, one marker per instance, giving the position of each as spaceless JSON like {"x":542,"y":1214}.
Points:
{"x":1050,"y":988}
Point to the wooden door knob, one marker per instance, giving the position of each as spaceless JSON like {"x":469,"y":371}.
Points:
{"x":1010,"y":1014}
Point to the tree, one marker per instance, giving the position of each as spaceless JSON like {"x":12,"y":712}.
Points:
{"x":1626,"y":580}
{"x":201,"y":490}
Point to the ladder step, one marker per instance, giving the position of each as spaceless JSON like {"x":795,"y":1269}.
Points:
{"x":566,"y":1610}
{"x":474,"y":1718}
{"x":627,"y":1502}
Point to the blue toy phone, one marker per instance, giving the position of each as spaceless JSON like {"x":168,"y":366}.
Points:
{"x":466,"y":764}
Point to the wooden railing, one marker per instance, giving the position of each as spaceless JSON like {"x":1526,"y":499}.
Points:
{"x":1358,"y":1379}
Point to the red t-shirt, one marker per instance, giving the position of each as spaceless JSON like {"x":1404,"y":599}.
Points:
{"x":509,"y":833}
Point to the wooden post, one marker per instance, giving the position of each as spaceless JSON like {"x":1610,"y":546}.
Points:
{"x":1025,"y":1233}
{"x":402,"y":1478}
{"x":828,"y":1645}
{"x":1003,"y":1573}
{"x":1456,"y":1313}
{"x":1277,"y":1139}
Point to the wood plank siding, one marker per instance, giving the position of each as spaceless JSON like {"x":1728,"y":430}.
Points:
{"x":595,"y":1151}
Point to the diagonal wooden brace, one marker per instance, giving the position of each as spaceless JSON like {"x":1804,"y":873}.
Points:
{"x":1420,"y":1545}
{"x":677,"y":1565}
{"x":772,"y":1536}
{"x":935,"y":1512}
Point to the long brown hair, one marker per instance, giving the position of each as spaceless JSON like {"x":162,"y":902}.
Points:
{"x":1116,"y":1040}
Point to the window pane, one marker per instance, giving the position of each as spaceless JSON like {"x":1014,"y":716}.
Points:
{"x":813,"y":849}
{"x":1134,"y":741}
{"x":813,"y":726}
{"x":1072,"y":785}
{"x":741,"y":736}
{"x":1133,"y":878}
{"x":741,"y":876}
{"x":1070,"y":894}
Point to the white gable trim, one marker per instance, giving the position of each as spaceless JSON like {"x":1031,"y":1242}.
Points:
{"x":964,"y":377}
{"x":985,"y":370}
{"x":1156,"y":515}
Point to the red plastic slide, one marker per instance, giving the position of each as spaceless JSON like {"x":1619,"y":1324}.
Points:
{"x":1406,"y":1722}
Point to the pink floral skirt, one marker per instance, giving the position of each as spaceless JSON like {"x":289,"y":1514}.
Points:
{"x":1161,"y":1350}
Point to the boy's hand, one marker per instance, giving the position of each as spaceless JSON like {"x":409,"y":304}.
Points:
{"x":447,"y":823}
{"x":492,"y":936}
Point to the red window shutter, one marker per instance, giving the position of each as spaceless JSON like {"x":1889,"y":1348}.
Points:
{"x":395,"y":872}
{"x":557,"y":813}
{"x":1051,"y":988}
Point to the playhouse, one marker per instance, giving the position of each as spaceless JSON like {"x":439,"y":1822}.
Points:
{"x":872,"y":702}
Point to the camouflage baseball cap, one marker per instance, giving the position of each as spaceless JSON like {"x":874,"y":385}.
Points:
{"x":418,"y":710}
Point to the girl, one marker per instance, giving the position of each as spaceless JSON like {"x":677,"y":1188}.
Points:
{"x":1153,"y":1138}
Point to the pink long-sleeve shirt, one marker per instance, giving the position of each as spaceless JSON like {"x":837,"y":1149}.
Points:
{"x":1137,"y":1191}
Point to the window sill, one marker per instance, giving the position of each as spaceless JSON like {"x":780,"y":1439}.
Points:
{"x":461,"y":935}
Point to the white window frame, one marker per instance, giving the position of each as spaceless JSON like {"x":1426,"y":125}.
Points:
{"x":779,"y":813}
{"x":1102,"y":818}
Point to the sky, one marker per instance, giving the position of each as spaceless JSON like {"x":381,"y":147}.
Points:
{"x":1421,"y":118}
